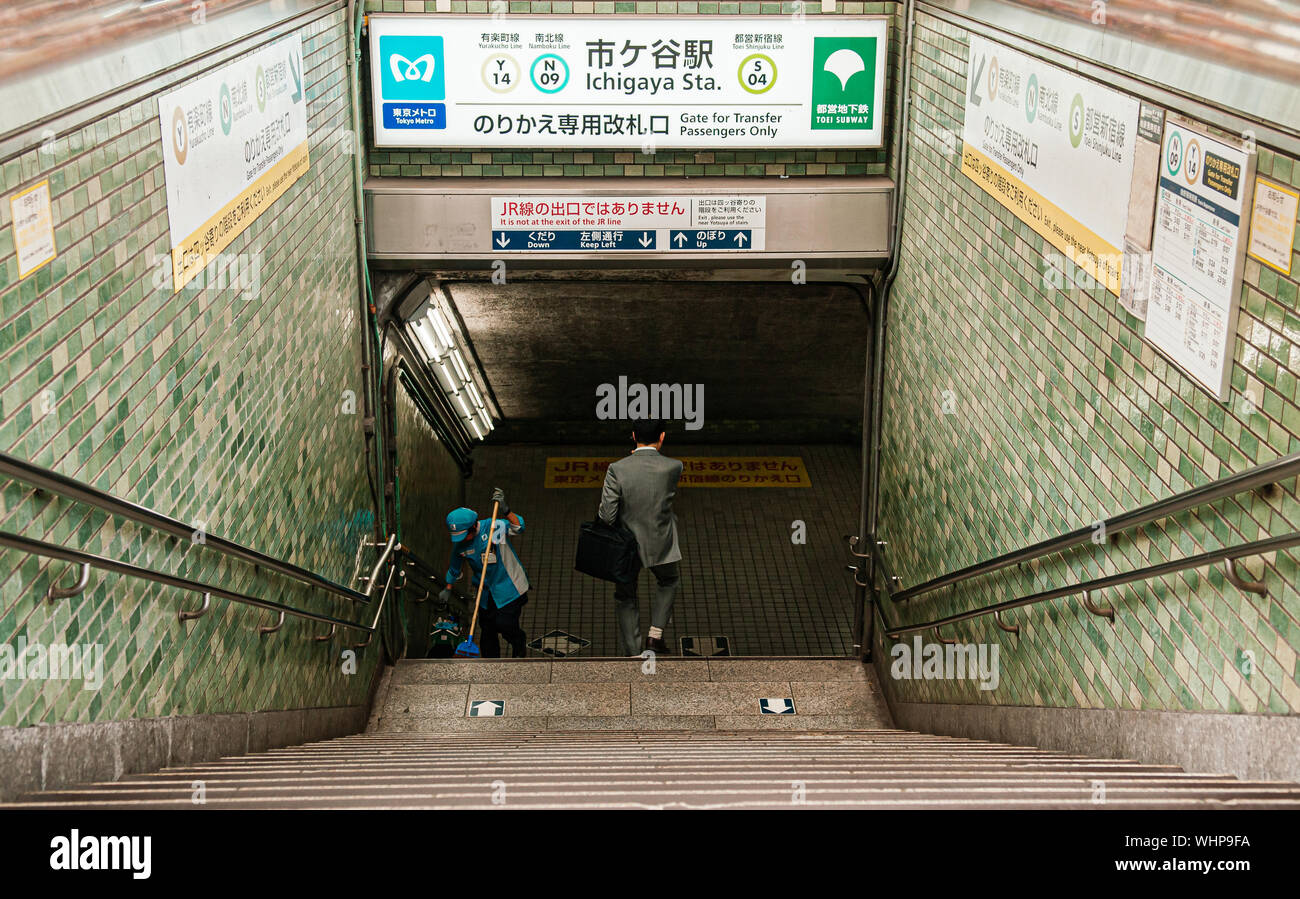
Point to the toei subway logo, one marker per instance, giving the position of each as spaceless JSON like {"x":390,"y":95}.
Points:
{"x":412,"y":68}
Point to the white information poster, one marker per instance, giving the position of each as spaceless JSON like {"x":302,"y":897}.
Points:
{"x":33,"y":227}
{"x":1198,"y":252}
{"x":1056,"y":150}
{"x":637,"y":224}
{"x":233,"y":141}
{"x":635,"y":82}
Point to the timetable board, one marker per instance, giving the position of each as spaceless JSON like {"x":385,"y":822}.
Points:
{"x":1198,"y":253}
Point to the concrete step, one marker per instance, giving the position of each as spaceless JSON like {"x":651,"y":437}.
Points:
{"x":538,"y":695}
{"x":497,"y":671}
{"x":868,"y":769}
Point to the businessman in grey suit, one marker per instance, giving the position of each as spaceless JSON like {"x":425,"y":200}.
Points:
{"x":638,"y":493}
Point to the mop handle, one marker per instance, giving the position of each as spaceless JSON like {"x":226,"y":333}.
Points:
{"x":487,"y":554}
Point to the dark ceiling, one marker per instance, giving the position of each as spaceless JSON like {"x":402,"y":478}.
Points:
{"x":778,"y":358}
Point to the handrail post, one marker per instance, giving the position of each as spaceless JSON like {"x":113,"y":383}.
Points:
{"x":856,"y":569}
{"x":1009,"y":628}
{"x":56,"y":592}
{"x":202,"y":610}
{"x":265,"y":629}
{"x":1230,"y":572}
{"x":1102,"y":612}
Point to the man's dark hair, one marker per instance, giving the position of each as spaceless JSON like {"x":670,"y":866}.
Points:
{"x":647,"y":430}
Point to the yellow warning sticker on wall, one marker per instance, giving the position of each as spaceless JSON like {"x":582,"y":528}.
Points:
{"x":698,"y":471}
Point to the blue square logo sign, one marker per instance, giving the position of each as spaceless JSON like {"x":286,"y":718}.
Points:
{"x":411,"y":68}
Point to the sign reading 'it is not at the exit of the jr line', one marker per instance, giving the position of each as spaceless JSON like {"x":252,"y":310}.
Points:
{"x":699,"y":82}
{"x":629,"y":223}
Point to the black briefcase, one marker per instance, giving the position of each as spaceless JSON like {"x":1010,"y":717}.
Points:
{"x":607,"y":552}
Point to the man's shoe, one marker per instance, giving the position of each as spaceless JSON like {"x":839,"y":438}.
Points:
{"x":656,"y":645}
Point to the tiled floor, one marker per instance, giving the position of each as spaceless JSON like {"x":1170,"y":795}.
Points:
{"x":742,"y":576}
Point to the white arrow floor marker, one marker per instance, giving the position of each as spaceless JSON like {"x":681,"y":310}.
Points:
{"x":487,"y":708}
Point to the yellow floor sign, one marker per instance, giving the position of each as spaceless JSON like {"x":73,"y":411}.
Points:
{"x":699,"y":471}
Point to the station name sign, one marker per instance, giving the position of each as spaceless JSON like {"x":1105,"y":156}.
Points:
{"x":645,"y":82}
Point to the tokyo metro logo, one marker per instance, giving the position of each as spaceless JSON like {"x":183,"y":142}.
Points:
{"x":412,"y":68}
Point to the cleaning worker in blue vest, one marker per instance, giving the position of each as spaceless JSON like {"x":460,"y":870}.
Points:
{"x":505,"y":590}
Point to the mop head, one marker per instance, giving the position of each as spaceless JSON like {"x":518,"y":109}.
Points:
{"x":468,"y":650}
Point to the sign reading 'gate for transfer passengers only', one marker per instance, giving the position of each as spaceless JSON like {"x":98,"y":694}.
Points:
{"x":710,"y":82}
{"x":582,"y":224}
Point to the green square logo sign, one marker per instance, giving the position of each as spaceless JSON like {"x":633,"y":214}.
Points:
{"x":843,"y":83}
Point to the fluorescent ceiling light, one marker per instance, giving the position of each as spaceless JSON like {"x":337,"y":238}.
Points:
{"x":439,"y":333}
{"x":440,"y":325}
{"x":424,"y":336}
{"x":461,"y":368}
{"x":449,"y":382}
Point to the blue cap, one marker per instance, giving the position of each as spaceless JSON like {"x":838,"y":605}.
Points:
{"x":459,"y":522}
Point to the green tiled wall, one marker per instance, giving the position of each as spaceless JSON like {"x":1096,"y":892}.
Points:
{"x":1063,"y":415}
{"x":515,"y":163}
{"x":431,"y":487}
{"x":220,"y":406}
{"x":431,"y":483}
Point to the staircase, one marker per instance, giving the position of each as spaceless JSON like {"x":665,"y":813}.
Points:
{"x":689,"y":733}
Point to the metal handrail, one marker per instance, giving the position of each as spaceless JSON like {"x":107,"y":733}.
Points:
{"x":379,"y":563}
{"x":379,"y":610}
{"x":421,"y":568}
{"x":1262,"y":475}
{"x":1227,"y":554}
{"x":53,"y":551}
{"x":70,"y":488}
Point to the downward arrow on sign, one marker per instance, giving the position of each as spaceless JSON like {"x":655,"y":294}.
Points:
{"x":503,"y":241}
{"x":646,"y":239}
{"x":975,"y":97}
